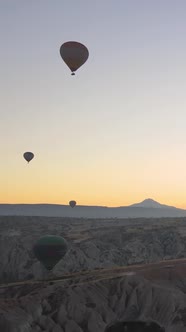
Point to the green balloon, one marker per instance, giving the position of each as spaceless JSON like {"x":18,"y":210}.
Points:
{"x":49,"y":250}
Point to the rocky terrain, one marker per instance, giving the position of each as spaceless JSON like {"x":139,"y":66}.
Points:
{"x":97,"y":281}
{"x":89,"y":303}
{"x":92,"y":243}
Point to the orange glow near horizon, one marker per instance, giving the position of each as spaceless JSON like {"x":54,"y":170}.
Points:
{"x":87,"y":202}
{"x":95,"y":185}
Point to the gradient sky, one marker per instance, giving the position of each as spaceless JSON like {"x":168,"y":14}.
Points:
{"x":115,"y":133}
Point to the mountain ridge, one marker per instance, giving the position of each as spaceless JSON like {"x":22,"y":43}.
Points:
{"x":151,"y":203}
{"x":148,"y":208}
{"x":148,"y":202}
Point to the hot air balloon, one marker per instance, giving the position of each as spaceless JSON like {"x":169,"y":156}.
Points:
{"x":74,"y":54}
{"x":134,"y":326}
{"x":28,"y":156}
{"x":49,"y":250}
{"x":72,"y":204}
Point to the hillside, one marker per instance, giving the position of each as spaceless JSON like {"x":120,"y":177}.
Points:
{"x":89,"y":303}
{"x":146,"y":209}
{"x":91,"y":243}
{"x":98,"y":280}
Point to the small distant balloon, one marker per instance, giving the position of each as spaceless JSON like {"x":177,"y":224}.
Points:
{"x":28,"y":156}
{"x":72,"y":204}
{"x":49,"y":250}
{"x":74,"y":54}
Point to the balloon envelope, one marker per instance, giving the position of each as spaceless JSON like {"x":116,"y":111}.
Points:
{"x":134,"y":326}
{"x":49,"y":250}
{"x":28,"y":156}
{"x":72,"y":204}
{"x":74,"y":54}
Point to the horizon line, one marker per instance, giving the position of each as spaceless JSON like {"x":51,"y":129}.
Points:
{"x":101,"y":206}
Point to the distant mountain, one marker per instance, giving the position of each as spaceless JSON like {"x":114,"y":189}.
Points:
{"x":150,"y":203}
{"x":146,"y":209}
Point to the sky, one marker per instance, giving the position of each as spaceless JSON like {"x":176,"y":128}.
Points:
{"x":113,"y":134}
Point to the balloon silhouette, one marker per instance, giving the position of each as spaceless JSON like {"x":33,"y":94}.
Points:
{"x":74,"y":54}
{"x":28,"y":156}
{"x":49,"y":250}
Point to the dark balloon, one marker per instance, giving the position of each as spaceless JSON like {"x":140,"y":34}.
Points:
{"x":49,"y":250}
{"x":28,"y":156}
{"x":134,"y":326}
{"x":72,"y":204}
{"x":74,"y":54}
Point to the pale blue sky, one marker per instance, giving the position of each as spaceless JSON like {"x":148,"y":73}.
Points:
{"x":121,"y":120}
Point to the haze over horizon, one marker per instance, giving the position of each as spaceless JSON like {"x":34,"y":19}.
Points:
{"x":114,"y":133}
{"x":146,"y":203}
